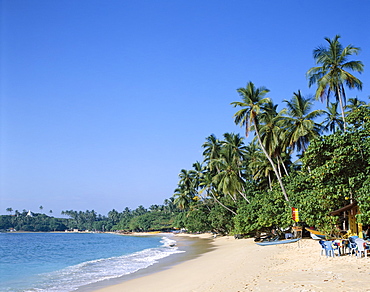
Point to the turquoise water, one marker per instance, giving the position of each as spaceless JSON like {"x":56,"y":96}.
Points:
{"x":65,"y":261}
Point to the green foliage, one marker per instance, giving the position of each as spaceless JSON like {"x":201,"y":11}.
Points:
{"x":335,"y":171}
{"x":196,"y":219}
{"x":151,"y":221}
{"x":38,"y":222}
{"x":160,"y":217}
{"x":220,"y":220}
{"x":267,"y":209}
{"x":363,"y":199}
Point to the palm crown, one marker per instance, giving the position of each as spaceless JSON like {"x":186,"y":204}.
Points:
{"x":332,"y":73}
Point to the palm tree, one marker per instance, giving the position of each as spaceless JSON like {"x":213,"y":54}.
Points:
{"x":10,"y":210}
{"x":299,"y":124}
{"x":252,"y":152}
{"x":333,"y":120}
{"x":331,"y":74}
{"x":197,"y":174}
{"x":234,"y":143}
{"x":272,"y":135}
{"x":253,"y":102}
{"x":169,"y":205}
{"x":212,"y":148}
{"x":270,"y":129}
{"x":354,"y":103}
{"x":114,"y":216}
{"x":185,"y":191}
{"x":187,"y":179}
{"x":182,"y":197}
{"x":207,"y":185}
{"x":229,"y":180}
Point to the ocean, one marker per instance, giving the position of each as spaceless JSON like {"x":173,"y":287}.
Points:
{"x":61,"y":262}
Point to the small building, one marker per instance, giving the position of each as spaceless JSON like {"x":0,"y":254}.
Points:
{"x":347,"y":216}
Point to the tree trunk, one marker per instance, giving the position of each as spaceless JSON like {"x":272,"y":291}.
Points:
{"x":271,"y":162}
{"x":282,"y":163}
{"x":342,"y":108}
{"x":269,"y":176}
{"x":222,"y":204}
{"x":244,"y":196}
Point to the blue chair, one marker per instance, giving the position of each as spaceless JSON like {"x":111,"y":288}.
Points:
{"x":323,"y":251}
{"x":330,"y":248}
{"x":352,"y":245}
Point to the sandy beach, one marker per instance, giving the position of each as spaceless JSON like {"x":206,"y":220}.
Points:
{"x":241,"y":265}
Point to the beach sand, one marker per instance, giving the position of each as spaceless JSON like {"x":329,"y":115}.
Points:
{"x":241,"y":265}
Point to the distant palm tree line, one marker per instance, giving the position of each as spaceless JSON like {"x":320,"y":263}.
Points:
{"x":229,"y":165}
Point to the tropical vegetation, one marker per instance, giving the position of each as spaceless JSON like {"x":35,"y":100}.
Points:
{"x":256,"y":184}
{"x":157,"y":217}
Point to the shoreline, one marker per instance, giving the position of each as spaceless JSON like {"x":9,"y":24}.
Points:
{"x":192,"y":246}
{"x":241,"y":265}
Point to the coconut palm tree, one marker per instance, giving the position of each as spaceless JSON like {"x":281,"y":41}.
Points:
{"x":332,"y":72}
{"x":354,"y":103}
{"x":186,"y":178}
{"x":272,"y":134}
{"x":270,"y":129}
{"x":185,"y":192}
{"x":252,"y":104}
{"x":234,"y":143}
{"x":182,"y":197}
{"x":252,"y":153}
{"x":207,"y":185}
{"x":300,"y":127}
{"x":333,"y":120}
{"x":212,"y":148}
{"x":229,"y":180}
{"x":261,"y":169}
{"x":197,"y":174}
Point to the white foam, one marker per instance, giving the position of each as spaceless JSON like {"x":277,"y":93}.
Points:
{"x":69,"y":279}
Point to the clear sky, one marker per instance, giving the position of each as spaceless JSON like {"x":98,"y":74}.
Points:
{"x":104,"y":102}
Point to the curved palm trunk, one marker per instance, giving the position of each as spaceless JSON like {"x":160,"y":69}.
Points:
{"x":269,"y":176}
{"x":222,"y":204}
{"x":271,"y":162}
{"x":282,"y":163}
{"x":244,"y":196}
{"x":341,"y":108}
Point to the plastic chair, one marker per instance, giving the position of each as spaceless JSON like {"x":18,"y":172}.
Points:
{"x":352,"y":245}
{"x":338,"y":245}
{"x":323,"y":250}
{"x":330,"y":248}
{"x":362,"y":248}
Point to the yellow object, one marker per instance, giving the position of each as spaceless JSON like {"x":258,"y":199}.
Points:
{"x":315,"y":231}
{"x":295,"y":214}
{"x":360,"y":233}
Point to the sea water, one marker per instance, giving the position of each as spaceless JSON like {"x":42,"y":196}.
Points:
{"x":65,"y":261}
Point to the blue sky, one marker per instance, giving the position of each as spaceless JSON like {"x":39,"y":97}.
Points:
{"x":104,"y":102}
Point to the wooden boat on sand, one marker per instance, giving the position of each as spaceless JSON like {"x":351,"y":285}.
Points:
{"x":316,"y":234}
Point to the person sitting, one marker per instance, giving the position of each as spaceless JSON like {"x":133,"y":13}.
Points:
{"x":366,"y":232}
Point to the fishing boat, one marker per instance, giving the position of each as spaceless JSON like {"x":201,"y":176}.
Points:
{"x":316,"y":234}
{"x":263,"y":243}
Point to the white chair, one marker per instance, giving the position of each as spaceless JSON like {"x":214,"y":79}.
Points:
{"x":361,"y":247}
